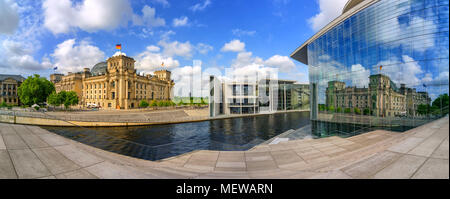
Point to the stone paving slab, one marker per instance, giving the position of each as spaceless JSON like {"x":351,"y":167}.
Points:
{"x":14,"y":141}
{"x":406,"y":145}
{"x":7,"y":170}
{"x":52,"y":140}
{"x":27,"y":164}
{"x":404,"y":167}
{"x":2,"y":143}
{"x":370,"y":166}
{"x":33,"y":141}
{"x":442,"y":151}
{"x":77,"y":174}
{"x":55,"y":161}
{"x":78,"y":156}
{"x":433,"y":169}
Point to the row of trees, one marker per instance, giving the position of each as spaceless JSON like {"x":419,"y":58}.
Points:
{"x":37,"y":90}
{"x":154,"y":103}
{"x":66,"y":98}
{"x":166,"y":103}
{"x":438,"y":107}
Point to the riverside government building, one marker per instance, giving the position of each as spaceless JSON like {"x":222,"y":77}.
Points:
{"x":114,"y":84}
{"x":384,"y":56}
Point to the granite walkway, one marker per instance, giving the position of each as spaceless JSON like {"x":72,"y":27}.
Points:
{"x":423,"y":152}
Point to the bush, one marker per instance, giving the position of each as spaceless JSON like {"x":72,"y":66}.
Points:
{"x":3,"y":105}
{"x":339,"y":110}
{"x":181,"y":103}
{"x":161,"y":104}
{"x":348,"y":110}
{"x":143,"y":104}
{"x":366,"y":111}
{"x":322,"y":107}
{"x":357,"y":111}
{"x":330,"y":108}
{"x":202,"y":102}
{"x":153,"y":103}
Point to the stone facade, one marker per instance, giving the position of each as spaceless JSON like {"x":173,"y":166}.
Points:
{"x":8,"y":88}
{"x":114,"y":84}
{"x":382,"y":97}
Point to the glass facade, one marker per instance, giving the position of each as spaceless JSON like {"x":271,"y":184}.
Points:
{"x":384,"y":67}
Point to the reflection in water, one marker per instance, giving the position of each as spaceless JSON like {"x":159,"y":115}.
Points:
{"x":162,"y":141}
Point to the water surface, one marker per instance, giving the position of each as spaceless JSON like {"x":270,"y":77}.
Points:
{"x":162,"y":141}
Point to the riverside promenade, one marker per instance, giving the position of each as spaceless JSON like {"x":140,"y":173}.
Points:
{"x":423,"y":152}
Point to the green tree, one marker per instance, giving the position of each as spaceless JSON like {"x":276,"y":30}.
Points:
{"x":68,"y":98}
{"x":35,"y":90}
{"x":441,"y":101}
{"x":331,"y":108}
{"x":366,"y":111}
{"x":143,"y":104}
{"x":440,"y":105}
{"x":322,"y":107}
{"x":3,"y":104}
{"x":357,"y":111}
{"x":348,"y":110}
{"x":153,"y":103}
{"x":161,"y":103}
{"x":339,"y":110}
{"x":181,"y":103}
{"x":423,"y":109}
{"x":55,"y":99}
{"x":202,"y":101}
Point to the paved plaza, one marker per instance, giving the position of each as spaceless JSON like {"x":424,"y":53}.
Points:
{"x":423,"y":152}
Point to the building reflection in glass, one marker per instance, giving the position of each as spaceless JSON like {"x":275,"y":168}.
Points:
{"x":382,"y":65}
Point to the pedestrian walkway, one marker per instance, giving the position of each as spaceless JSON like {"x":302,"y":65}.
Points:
{"x":423,"y":152}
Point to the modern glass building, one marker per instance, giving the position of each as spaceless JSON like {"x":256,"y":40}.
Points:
{"x":380,"y":64}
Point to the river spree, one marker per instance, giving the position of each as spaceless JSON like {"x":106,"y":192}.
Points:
{"x":162,"y":141}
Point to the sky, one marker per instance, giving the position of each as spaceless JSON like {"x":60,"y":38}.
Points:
{"x":246,"y":36}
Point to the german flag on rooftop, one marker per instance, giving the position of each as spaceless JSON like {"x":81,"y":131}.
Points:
{"x":119,"y":46}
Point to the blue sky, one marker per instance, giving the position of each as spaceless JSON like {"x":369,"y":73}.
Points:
{"x":35,"y":36}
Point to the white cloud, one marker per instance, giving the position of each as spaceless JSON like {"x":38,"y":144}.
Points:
{"x":63,"y":16}
{"x":182,"y":21}
{"x":70,"y":56}
{"x":284,"y":63}
{"x":90,"y":15}
{"x":239,"y":32}
{"x":9,"y":16}
{"x":150,"y":61}
{"x":176,"y":48}
{"x":359,"y":76}
{"x":17,"y":56}
{"x":252,"y":72}
{"x":148,"y":18}
{"x":329,"y":10}
{"x":200,"y":6}
{"x":244,"y":59}
{"x":204,"y":48}
{"x":404,"y":71}
{"x":153,"y":48}
{"x":164,"y":3}
{"x":234,"y":46}
{"x":416,"y":26}
{"x":166,"y":35}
